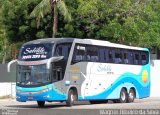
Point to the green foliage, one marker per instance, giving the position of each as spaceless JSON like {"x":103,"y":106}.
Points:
{"x":135,"y":22}
{"x":19,"y":26}
{"x":64,"y":10}
{"x":40,"y":34}
{"x":41,"y":9}
{"x":54,"y":8}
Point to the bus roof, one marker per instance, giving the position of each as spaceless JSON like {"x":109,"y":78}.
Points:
{"x":50,"y":40}
{"x":108,"y":44}
{"x":84,"y":41}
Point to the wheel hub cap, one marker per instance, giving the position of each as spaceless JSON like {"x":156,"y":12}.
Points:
{"x":123,"y":96}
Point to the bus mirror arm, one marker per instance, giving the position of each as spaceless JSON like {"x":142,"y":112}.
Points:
{"x":9,"y":65}
{"x":53,"y":59}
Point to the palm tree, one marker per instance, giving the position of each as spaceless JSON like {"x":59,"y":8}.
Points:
{"x":53,"y":6}
{"x":4,"y":43}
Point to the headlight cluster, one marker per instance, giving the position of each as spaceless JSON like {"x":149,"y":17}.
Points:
{"x":45,"y":90}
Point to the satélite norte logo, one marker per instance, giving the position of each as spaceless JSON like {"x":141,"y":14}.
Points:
{"x":105,"y":68}
{"x":34,"y":53}
{"x":35,"y":50}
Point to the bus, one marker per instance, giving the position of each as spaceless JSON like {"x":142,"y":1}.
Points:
{"x":71,"y":69}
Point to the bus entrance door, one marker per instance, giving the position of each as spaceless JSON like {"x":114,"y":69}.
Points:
{"x":57,"y":74}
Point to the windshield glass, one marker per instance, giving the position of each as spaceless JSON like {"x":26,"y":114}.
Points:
{"x":33,"y":75}
{"x":34,"y":52}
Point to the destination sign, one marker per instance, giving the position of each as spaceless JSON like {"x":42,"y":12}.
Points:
{"x":35,"y":52}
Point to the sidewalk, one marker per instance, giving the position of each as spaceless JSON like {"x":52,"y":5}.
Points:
{"x":7,"y":98}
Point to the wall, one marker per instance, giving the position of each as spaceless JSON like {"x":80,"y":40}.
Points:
{"x":7,"y":80}
{"x":155,"y":78}
{"x":7,"y":76}
{"x":7,"y":89}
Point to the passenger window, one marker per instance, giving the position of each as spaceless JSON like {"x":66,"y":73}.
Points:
{"x":102,"y":54}
{"x":110,"y":56}
{"x":118,"y":56}
{"x":106,"y":57}
{"x":63,"y":50}
{"x":92,"y":54}
{"x":130,"y":57}
{"x":79,"y":53}
{"x":144,"y":58}
{"x":136,"y":58}
{"x":126,"y":61}
{"x":57,"y":74}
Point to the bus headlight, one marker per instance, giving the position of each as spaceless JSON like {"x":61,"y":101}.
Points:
{"x":44,"y":90}
{"x":47,"y":96}
{"x":17,"y":97}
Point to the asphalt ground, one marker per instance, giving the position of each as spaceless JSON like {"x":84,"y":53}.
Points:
{"x":149,"y":106}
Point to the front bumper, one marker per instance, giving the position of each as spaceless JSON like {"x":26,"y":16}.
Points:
{"x":49,"y":94}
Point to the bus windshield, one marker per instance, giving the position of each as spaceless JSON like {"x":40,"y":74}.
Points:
{"x":33,"y":75}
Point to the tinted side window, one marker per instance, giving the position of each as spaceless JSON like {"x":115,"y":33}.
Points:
{"x":130,"y":57}
{"x":102,"y":54}
{"x":107,"y":55}
{"x":110,"y":55}
{"x":118,"y":56}
{"x":63,"y":50}
{"x":126,"y":57}
{"x":79,"y":53}
{"x":144,"y":58}
{"x":136,"y":58}
{"x":92,"y":53}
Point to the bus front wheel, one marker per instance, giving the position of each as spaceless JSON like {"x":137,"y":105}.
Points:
{"x":41,"y":103}
{"x":72,"y":96}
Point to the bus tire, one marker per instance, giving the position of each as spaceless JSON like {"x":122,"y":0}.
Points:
{"x":41,"y":103}
{"x":72,"y":96}
{"x":123,"y":96}
{"x":131,"y":96}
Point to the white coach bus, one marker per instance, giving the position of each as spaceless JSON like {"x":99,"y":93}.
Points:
{"x":70,"y":69}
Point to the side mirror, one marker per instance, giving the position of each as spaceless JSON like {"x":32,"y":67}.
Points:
{"x":9,"y":65}
{"x":53,"y":59}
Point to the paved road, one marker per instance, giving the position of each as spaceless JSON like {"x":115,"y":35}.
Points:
{"x":80,"y":108}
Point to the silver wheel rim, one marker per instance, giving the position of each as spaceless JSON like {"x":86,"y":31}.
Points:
{"x":72,"y":97}
{"x":123,"y":96}
{"x":131,"y":95}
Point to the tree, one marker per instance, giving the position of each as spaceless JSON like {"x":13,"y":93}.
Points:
{"x":3,"y":40}
{"x":55,"y":6}
{"x":132,"y":22}
{"x":17,"y":28}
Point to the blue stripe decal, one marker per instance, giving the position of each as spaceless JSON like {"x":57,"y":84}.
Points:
{"x":51,"y":95}
{"x":143,"y":89}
